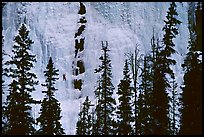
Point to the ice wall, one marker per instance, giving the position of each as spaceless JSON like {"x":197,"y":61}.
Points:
{"x":53,"y":26}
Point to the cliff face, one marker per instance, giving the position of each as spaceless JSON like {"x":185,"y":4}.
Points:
{"x":53,"y":27}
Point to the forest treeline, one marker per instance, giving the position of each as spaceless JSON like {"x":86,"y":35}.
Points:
{"x":148,"y":103}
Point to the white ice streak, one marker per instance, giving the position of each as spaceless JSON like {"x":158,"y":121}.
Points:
{"x":123,"y":25}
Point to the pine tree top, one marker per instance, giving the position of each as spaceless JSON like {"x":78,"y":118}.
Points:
{"x":50,"y":74}
{"x":170,"y":29}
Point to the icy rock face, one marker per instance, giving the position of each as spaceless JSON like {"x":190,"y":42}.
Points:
{"x":78,"y":63}
{"x":53,"y":26}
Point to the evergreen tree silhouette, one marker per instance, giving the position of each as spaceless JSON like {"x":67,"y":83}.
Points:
{"x":4,"y":120}
{"x":145,"y":97}
{"x":49,"y":118}
{"x":84,"y":124}
{"x":161,"y":68}
{"x":125,"y":113}
{"x":106,"y":102}
{"x":191,"y":119}
{"x":198,"y":27}
{"x":97,"y":128}
{"x":3,"y":64}
{"x":18,"y":111}
{"x":134,"y":61}
{"x":175,"y":103}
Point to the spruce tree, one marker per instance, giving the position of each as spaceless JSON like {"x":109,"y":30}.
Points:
{"x":191,"y":123}
{"x":161,"y":68}
{"x":175,"y":103}
{"x":93,"y":120}
{"x":84,"y":122}
{"x":125,"y":114}
{"x":159,"y":102}
{"x":13,"y":108}
{"x":18,"y":110}
{"x":198,"y":27}
{"x":3,"y":65}
{"x":141,"y":116}
{"x":148,"y":78}
{"x":49,"y":118}
{"x":147,"y":85}
{"x":106,"y":102}
{"x":97,"y":130}
{"x":144,"y":100}
{"x":3,"y":90}
{"x":145,"y":104}
{"x":134,"y":61}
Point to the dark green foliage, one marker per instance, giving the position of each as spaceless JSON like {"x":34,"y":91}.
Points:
{"x":145,"y":98}
{"x":17,"y":113}
{"x":97,"y":128}
{"x":175,"y":104}
{"x":191,"y":123}
{"x":23,"y":61}
{"x":134,"y":61}
{"x":125,"y":114}
{"x":170,"y":29}
{"x":17,"y":110}
{"x":159,"y":97}
{"x":170,"y":32}
{"x":161,"y":67}
{"x":3,"y":65}
{"x":105,"y":101}
{"x":159,"y":103}
{"x":4,"y":121}
{"x":49,"y":118}
{"x":84,"y":124}
{"x":198,"y":27}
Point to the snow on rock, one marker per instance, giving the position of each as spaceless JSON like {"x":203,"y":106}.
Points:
{"x":53,"y":26}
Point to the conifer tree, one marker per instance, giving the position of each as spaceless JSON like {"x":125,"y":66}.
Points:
{"x":93,"y":121}
{"x":144,"y":101}
{"x":84,"y":122}
{"x":3,"y":64}
{"x":159,"y":101}
{"x":161,"y":68}
{"x":3,"y":85}
{"x":97,"y":130}
{"x":198,"y":27}
{"x":141,"y":110}
{"x":191,"y":119}
{"x":106,"y":102}
{"x":134,"y":61}
{"x":125,"y":114}
{"x":175,"y":103}
{"x":49,"y":118}
{"x":18,"y":111}
{"x":146,"y":98}
{"x":3,"y":90}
